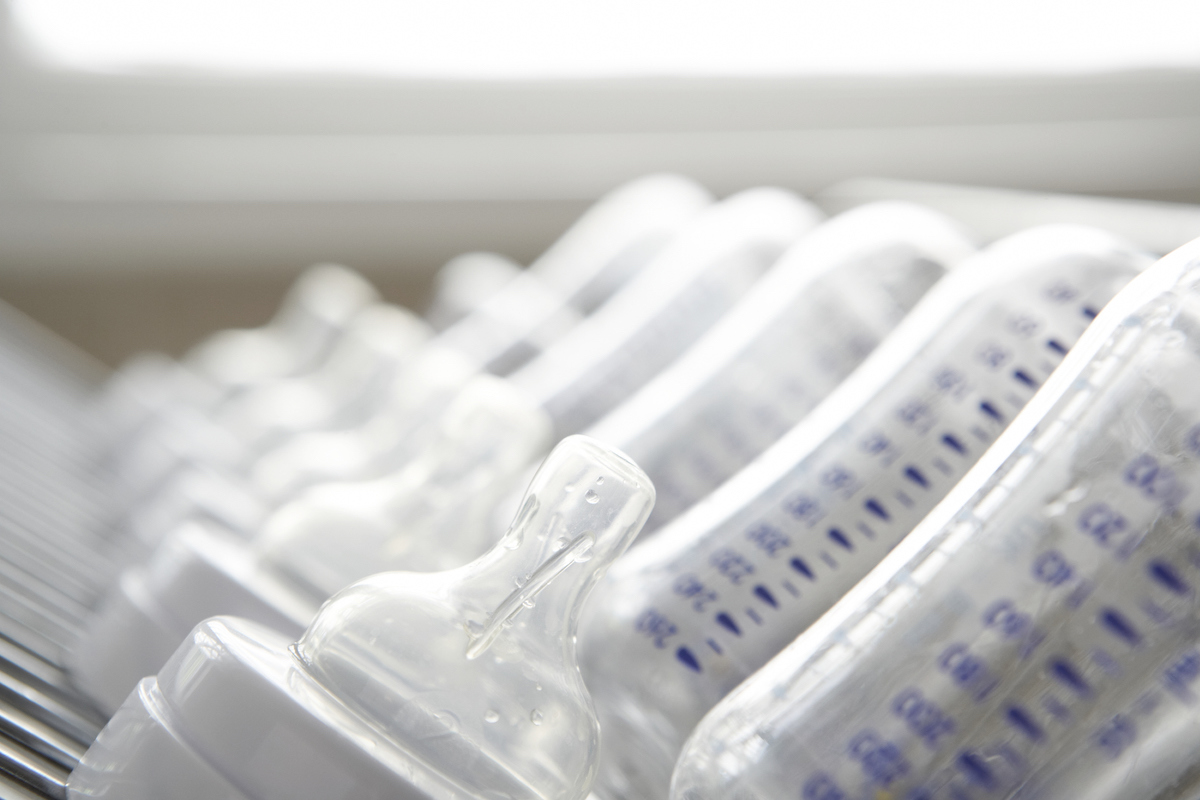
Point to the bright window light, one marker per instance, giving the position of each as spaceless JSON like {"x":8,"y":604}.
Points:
{"x":588,"y":38}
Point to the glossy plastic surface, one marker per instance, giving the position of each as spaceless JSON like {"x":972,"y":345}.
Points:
{"x":803,"y":327}
{"x":459,"y":684}
{"x":1036,"y":636}
{"x":713,"y":596}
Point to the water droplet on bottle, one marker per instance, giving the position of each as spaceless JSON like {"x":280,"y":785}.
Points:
{"x":527,"y":602}
{"x":535,"y":717}
{"x":600,"y":480}
{"x":490,"y":716}
{"x":561,"y":542}
{"x":537,"y":686}
{"x":591,"y":497}
{"x":570,"y":487}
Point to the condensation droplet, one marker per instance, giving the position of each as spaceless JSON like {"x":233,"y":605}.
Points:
{"x":537,"y":686}
{"x":591,"y":497}
{"x":535,"y":717}
{"x":490,"y":716}
{"x":570,"y":487}
{"x":600,"y":481}
{"x":561,"y":542}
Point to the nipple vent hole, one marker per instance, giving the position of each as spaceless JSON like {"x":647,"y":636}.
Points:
{"x":579,"y":550}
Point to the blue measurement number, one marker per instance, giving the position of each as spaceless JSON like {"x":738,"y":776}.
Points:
{"x":1116,"y":735}
{"x":732,"y":565}
{"x":656,"y":626}
{"x":1102,"y":523}
{"x":1154,"y":480}
{"x":882,"y":761}
{"x":922,"y":716}
{"x":969,"y":672}
{"x":692,"y":588}
{"x":769,"y":539}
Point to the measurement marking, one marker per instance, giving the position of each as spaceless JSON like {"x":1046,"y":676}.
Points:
{"x":800,"y":566}
{"x":1106,"y":662}
{"x":764,"y":594}
{"x":1089,"y":312}
{"x":790,"y":587}
{"x":989,"y":409}
{"x":1057,"y":346}
{"x":1056,"y":709}
{"x":980,"y":434}
{"x":686,"y":658}
{"x":904,"y":499}
{"x":1064,"y":672}
{"x":976,"y":769}
{"x":1165,"y":574}
{"x":1025,"y":378}
{"x":1020,"y":719}
{"x":726,"y":622}
{"x":1118,"y":625}
{"x":839,"y":538}
{"x":1015,"y":401}
{"x":828,"y":559}
{"x":716,"y":648}
{"x":916,"y":476}
{"x":954,"y":444}
{"x":1155,"y":612}
{"x":753,"y":615}
{"x":876,"y":508}
{"x":865,"y":530}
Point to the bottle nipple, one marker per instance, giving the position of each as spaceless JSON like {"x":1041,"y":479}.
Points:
{"x":472,"y":671}
{"x":434,"y":514}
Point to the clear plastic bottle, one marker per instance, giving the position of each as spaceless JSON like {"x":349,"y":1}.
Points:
{"x":657,"y":315}
{"x":715,"y":594}
{"x":433,"y":514}
{"x":460,"y":684}
{"x":803,"y":327}
{"x":1036,"y":636}
{"x":604,"y":249}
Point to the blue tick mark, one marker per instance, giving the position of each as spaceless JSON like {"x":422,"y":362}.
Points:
{"x":1165,"y":574}
{"x":764,"y":594}
{"x":726,"y":622}
{"x":954,"y":444}
{"x":1025,"y":378}
{"x":1118,"y":625}
{"x":916,"y":476}
{"x":839,"y":538}
{"x":1065,"y":673}
{"x":800,"y":566}
{"x":1020,"y":719}
{"x":1057,"y":346}
{"x":876,"y":508}
{"x":976,"y":769}
{"x":686,"y":658}
{"x":991,"y":411}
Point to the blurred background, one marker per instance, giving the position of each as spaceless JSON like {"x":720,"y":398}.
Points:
{"x":167,"y":168}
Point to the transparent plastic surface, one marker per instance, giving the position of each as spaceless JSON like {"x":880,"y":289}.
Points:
{"x":465,"y":283}
{"x":715,"y":594}
{"x":651,"y":320}
{"x":460,"y":684}
{"x":341,"y":390}
{"x":1036,"y":636}
{"x":434,"y":514}
{"x":431,"y":516}
{"x":385,"y":442}
{"x":613,"y":241}
{"x":803,"y":327}
{"x":321,"y":302}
